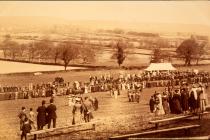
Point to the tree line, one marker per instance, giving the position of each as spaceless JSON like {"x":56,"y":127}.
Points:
{"x":67,"y":51}
{"x":45,"y":49}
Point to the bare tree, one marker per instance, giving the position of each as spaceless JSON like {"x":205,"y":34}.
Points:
{"x":13,"y":49}
{"x":32,"y":51}
{"x":87,"y":53}
{"x":55,"y":52}
{"x":69,"y":52}
{"x":44,"y":48}
{"x":22,"y":49}
{"x":5,"y":45}
{"x":199,"y":52}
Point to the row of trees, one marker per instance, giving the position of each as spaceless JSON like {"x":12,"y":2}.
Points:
{"x":67,"y":51}
{"x":46,"y":49}
{"x":189,"y":50}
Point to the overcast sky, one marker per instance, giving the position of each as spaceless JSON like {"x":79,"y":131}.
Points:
{"x":189,"y":12}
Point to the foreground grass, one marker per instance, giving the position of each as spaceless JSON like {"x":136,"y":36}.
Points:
{"x":115,"y":116}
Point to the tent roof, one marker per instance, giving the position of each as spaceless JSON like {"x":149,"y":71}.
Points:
{"x":160,"y":66}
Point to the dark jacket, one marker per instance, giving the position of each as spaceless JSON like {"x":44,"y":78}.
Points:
{"x":152,"y":104}
{"x":51,"y":111}
{"x":22,"y":115}
{"x":41,"y":116}
{"x":26,"y":128}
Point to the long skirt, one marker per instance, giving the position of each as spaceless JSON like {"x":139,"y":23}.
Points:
{"x":166,"y":107}
{"x":77,"y":118}
{"x":159,"y":110}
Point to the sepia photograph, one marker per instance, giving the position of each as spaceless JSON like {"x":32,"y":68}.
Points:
{"x":104,"y":70}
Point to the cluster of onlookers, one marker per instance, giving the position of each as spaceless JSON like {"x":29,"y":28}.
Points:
{"x":45,"y":115}
{"x":103,"y":83}
{"x":82,"y":111}
{"x":185,"y":93}
{"x":183,"y":99}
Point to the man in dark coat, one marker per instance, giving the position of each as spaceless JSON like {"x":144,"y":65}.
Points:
{"x":22,"y":115}
{"x":184,"y":100}
{"x":152,"y":104}
{"x":41,"y":116}
{"x":51,"y":111}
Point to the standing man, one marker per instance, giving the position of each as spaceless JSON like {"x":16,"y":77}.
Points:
{"x":51,"y":111}
{"x":22,"y":116}
{"x":41,"y":116}
{"x":88,"y":109}
{"x":152,"y":104}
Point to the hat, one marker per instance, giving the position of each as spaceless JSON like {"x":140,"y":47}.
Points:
{"x":78,"y":99}
{"x":51,"y":100}
{"x":43,"y":102}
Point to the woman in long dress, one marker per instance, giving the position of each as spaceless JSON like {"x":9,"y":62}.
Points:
{"x":77,"y":112}
{"x":165,"y":101}
{"x":159,"y":105}
{"x":193,"y":100}
{"x":176,"y":100}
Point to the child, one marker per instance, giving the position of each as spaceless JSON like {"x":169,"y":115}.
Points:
{"x":32,"y":118}
{"x":25,"y":129}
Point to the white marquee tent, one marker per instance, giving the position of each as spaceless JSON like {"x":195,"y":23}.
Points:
{"x":160,"y":67}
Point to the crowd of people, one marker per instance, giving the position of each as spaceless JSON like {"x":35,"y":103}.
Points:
{"x":81,"y":112}
{"x":182,"y":99}
{"x":45,"y":115}
{"x":184,"y":93}
{"x":103,"y":83}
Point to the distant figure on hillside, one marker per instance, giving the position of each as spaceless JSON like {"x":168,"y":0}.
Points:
{"x":51,"y":111}
{"x":41,"y":117}
{"x":25,"y":129}
{"x":22,"y":116}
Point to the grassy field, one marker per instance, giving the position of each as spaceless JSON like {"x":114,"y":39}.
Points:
{"x":115,"y":116}
{"x":110,"y":111}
